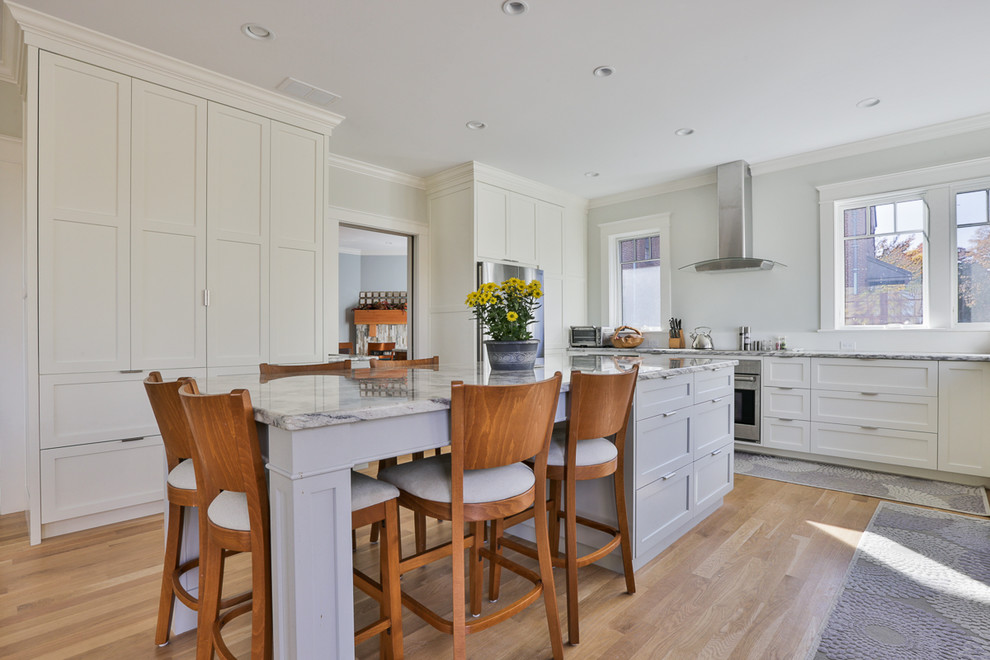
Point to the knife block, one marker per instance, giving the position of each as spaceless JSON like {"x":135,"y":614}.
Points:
{"x":676,"y":342}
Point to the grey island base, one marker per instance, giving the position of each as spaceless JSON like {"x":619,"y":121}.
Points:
{"x":317,"y":428}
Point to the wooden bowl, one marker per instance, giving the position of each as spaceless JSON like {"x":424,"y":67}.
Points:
{"x":627,"y":340}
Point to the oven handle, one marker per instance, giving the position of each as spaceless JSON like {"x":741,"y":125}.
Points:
{"x":746,"y":379}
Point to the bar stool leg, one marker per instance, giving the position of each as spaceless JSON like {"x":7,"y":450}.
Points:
{"x":166,"y":601}
{"x":620,"y":510}
{"x":570,"y":541}
{"x":210,"y":584}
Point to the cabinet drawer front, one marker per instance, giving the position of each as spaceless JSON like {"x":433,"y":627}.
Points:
{"x":663,"y":444}
{"x":77,"y":410}
{"x":786,"y":434}
{"x":787,"y":372}
{"x":883,"y":445}
{"x":712,"y":425}
{"x":888,"y":376}
{"x":786,"y":403}
{"x":891,"y":411}
{"x":660,"y":395}
{"x":710,"y":385}
{"x":661,"y":507}
{"x":713,"y":476}
{"x":79,"y":481}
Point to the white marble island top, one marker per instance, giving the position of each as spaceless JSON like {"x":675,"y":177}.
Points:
{"x":301,"y":402}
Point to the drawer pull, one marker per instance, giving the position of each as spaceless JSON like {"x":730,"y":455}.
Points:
{"x":716,"y":452}
{"x":870,"y":428}
{"x":785,"y":388}
{"x":669,"y":414}
{"x":131,"y":371}
{"x":140,"y":437}
{"x":869,"y":393}
{"x":786,"y":419}
{"x":667,"y":476}
{"x":718,"y":399}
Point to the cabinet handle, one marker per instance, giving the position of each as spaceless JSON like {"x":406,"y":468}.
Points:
{"x":140,"y":437}
{"x":667,"y":476}
{"x":869,"y":393}
{"x":786,"y":419}
{"x":131,"y":371}
{"x":206,"y":297}
{"x":870,"y":428}
{"x":785,"y":388}
{"x":668,"y":414}
{"x":716,"y":452}
{"x":718,"y":399}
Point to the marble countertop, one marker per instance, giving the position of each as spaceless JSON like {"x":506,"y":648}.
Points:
{"x":862,"y":355}
{"x":299,"y":402}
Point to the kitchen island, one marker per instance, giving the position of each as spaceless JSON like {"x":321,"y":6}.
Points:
{"x":316,"y":428}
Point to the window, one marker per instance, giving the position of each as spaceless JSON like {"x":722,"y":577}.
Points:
{"x":908,"y":250}
{"x":639,"y":281}
{"x":635,"y":272}
{"x":883,"y":263}
{"x":972,"y":257}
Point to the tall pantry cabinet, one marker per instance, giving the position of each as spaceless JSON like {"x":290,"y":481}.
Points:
{"x":174,"y":233}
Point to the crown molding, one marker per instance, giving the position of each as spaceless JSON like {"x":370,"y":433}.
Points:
{"x":49,"y":33}
{"x":652,"y":191}
{"x":472,"y":171}
{"x":376,"y":171}
{"x":918,"y":178}
{"x":11,"y":49}
{"x":11,"y":149}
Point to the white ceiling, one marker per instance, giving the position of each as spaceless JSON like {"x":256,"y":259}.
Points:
{"x":756,"y":80}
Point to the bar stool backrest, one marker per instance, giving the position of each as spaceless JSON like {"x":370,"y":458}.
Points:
{"x":495,"y":425}
{"x":171,"y":418}
{"x":600,"y":404}
{"x":279,"y":370}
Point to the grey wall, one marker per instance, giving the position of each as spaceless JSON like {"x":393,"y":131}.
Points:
{"x":366,"y":273}
{"x":786,"y":229}
{"x":10,"y":110}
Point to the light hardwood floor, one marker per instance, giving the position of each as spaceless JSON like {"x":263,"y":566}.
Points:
{"x":754,"y":580}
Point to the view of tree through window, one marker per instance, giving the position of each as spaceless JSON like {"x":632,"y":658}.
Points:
{"x":884,"y":260}
{"x":973,"y":257}
{"x":639,"y":265}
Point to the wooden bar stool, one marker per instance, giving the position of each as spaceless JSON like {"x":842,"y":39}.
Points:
{"x":234,"y":494}
{"x":599,"y":409}
{"x":419,"y":520}
{"x":374,"y":502}
{"x":493,"y":429}
{"x":381,"y":349}
{"x":181,"y":493}
{"x":272,"y":371}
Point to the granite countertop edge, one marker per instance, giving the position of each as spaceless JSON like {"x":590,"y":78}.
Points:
{"x":861,"y":355}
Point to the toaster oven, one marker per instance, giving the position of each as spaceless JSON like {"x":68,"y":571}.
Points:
{"x":586,"y":336}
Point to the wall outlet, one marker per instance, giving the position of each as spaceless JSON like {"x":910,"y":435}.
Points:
{"x":847,"y":345}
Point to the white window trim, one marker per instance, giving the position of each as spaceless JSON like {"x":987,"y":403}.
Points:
{"x":938,"y":185}
{"x":611,"y":234}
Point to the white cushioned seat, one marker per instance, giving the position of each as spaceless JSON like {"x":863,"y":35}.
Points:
{"x":429,"y":479}
{"x":183,"y":475}
{"x":367,"y":491}
{"x":229,"y":509}
{"x":591,"y":451}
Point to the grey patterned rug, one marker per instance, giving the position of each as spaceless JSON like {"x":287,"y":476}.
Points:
{"x":918,"y":588}
{"x":937,"y":494}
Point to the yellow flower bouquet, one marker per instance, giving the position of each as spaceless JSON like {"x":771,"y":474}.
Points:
{"x":505,"y":310}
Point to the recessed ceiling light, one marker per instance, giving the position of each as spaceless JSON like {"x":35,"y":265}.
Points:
{"x":476,"y":125}
{"x":514,"y":7}
{"x":684,"y":131}
{"x":256,"y":31}
{"x":604,"y":71}
{"x":591,"y":175}
{"x":868,"y":103}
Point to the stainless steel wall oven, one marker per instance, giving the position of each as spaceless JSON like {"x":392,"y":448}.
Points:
{"x":747,"y":377}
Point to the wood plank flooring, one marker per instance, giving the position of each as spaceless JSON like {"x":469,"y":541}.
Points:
{"x":754,"y":580}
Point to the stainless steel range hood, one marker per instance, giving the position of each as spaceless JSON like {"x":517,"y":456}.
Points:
{"x":735,"y":228}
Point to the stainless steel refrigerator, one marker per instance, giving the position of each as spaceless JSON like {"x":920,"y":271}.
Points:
{"x":498,"y":273}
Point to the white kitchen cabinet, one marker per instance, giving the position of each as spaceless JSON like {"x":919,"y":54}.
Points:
{"x":662,"y":508}
{"x":297,"y":202}
{"x":964,"y":417}
{"x":786,"y":403}
{"x":875,"y":444}
{"x":238,"y":193}
{"x":714,"y":475}
{"x":713,"y":385}
{"x":550,"y":239}
{"x":663,"y":443}
{"x":792,"y":434}
{"x":787,"y":372}
{"x":554,"y":336}
{"x":83,"y":217}
{"x":663,"y":396}
{"x":712,"y":424}
{"x":168,"y":228}
{"x":913,"y":377}
{"x":889,"y":411}
{"x":506,"y":225}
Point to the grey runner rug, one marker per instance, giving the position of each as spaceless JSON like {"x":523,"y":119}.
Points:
{"x":937,"y":494}
{"x":918,"y":588}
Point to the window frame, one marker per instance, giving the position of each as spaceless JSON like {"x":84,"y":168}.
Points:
{"x":937,"y":186}
{"x":620,"y":230}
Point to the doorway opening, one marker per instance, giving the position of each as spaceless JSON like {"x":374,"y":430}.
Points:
{"x":375,"y":299}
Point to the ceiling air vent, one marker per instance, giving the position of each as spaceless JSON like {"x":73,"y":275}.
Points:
{"x":307,"y":92}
